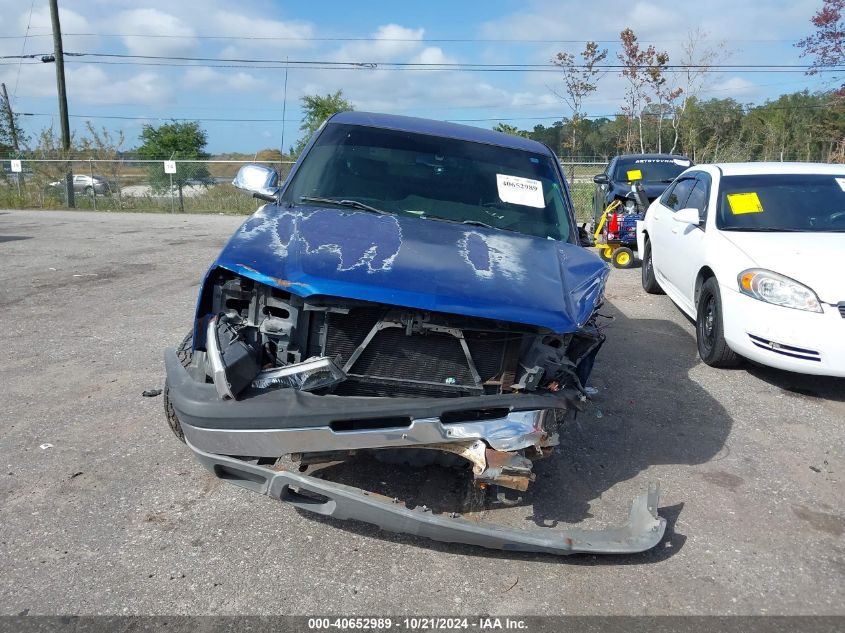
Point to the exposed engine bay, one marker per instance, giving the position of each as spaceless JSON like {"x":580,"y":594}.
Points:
{"x":259,"y":338}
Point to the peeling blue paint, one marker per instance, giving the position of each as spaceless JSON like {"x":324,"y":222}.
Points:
{"x":418,"y":263}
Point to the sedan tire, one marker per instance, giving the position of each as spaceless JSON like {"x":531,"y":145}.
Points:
{"x":710,"y":330}
{"x":650,"y":284}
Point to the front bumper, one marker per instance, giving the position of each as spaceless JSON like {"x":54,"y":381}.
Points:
{"x":643,"y":530}
{"x":285,"y":421}
{"x":282,"y":421}
{"x":793,"y":340}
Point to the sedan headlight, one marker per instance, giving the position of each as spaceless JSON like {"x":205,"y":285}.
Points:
{"x":771,"y":287}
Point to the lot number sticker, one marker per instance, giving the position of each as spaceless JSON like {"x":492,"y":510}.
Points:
{"x":170,"y":167}
{"x":522,"y":191}
{"x":635,"y":174}
{"x":16,"y":166}
{"x":742,"y":203}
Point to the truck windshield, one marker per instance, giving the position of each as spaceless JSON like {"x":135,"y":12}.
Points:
{"x":435,"y":178}
{"x":650,"y":169}
{"x":782,"y":203}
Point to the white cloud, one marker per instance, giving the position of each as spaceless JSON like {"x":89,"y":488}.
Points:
{"x":173,"y":36}
{"x":390,"y":41}
{"x":214,"y":81}
{"x":285,"y":34}
{"x":432,"y":55}
{"x":71,"y":21}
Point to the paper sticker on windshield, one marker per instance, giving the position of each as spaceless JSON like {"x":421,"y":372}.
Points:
{"x":522,"y":191}
{"x":681,"y":163}
{"x":635,"y":174}
{"x":742,"y":203}
{"x":839,"y":181}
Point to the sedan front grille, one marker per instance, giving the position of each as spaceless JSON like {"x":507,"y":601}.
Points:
{"x":841,"y":307}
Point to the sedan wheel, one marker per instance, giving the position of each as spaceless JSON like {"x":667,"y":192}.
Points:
{"x":709,"y":328}
{"x":650,"y":284}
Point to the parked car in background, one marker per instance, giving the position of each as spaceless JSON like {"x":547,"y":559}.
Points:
{"x":86,"y":184}
{"x":753,"y":252}
{"x":415,"y":291}
{"x":653,"y":171}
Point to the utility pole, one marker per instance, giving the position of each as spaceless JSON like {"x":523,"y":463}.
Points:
{"x":12,"y":130}
{"x":60,"y":84}
{"x":11,"y":117}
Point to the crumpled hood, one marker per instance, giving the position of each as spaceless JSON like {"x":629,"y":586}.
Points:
{"x":810,"y":258}
{"x":423,"y":264}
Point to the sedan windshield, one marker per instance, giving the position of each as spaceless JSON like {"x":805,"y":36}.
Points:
{"x":433,"y":178}
{"x":650,"y":169}
{"x":782,"y":203}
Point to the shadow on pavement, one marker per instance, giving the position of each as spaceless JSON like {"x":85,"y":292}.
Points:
{"x":14,"y":238}
{"x":647,"y":412}
{"x":826,"y":387}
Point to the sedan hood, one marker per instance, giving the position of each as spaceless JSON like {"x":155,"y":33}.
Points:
{"x":809,"y":258}
{"x":422,"y":264}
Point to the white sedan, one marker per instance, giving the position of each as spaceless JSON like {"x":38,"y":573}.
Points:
{"x":754,"y":253}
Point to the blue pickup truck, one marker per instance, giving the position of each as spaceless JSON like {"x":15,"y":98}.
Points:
{"x":412,"y":287}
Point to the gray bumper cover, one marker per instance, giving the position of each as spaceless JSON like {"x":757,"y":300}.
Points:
{"x":643,"y":530}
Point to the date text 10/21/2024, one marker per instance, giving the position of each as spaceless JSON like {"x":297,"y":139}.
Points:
{"x":417,"y":623}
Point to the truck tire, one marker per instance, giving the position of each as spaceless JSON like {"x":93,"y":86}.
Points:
{"x":185,"y":354}
{"x":710,"y":330}
{"x":650,"y":284}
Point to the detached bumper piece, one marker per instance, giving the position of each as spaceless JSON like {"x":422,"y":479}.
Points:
{"x":643,"y":530}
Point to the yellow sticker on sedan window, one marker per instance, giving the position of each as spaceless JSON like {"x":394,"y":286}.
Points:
{"x":635,"y":174}
{"x":742,"y":203}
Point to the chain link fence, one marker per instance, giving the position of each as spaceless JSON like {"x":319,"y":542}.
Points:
{"x":198,"y":186}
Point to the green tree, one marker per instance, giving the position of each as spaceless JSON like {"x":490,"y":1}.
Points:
{"x":511,"y":129}
{"x":174,"y":141}
{"x":316,"y":109}
{"x":580,"y":80}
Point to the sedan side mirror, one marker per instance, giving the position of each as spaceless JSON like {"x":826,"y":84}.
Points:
{"x":601,"y":179}
{"x":261,"y":180}
{"x":687,"y":216}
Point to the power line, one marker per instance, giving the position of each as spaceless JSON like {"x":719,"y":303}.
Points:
{"x":216,"y":62}
{"x":23,"y":50}
{"x":442,"y":40}
{"x":469,"y":120}
{"x":438,"y":65}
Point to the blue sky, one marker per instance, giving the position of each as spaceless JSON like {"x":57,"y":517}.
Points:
{"x":409,"y":32}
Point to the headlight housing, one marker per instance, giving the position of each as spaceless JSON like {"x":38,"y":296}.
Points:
{"x":776,"y":289}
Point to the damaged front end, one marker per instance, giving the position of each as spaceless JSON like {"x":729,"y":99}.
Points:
{"x":276,"y":378}
{"x":414,"y":292}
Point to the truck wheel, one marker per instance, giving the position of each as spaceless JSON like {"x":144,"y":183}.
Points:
{"x":650,"y":284}
{"x":185,"y":354}
{"x":710,"y":330}
{"x":623,"y":257}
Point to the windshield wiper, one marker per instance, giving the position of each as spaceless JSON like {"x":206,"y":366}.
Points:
{"x":354,"y":204}
{"x":469,"y":222}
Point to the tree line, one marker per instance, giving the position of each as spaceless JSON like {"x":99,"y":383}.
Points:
{"x":800,"y":126}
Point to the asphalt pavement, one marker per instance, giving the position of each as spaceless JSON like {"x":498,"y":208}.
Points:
{"x":103,"y":511}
